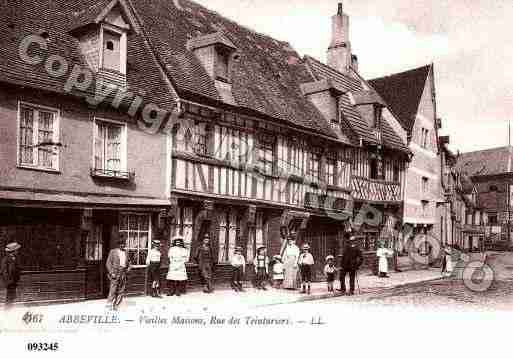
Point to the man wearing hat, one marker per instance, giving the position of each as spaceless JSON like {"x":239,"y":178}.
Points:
{"x":117,"y":267}
{"x":10,"y":271}
{"x":153,"y":263}
{"x":238,"y":264}
{"x":207,"y":261}
{"x":306,"y":262}
{"x":351,"y":260}
{"x":177,"y":273}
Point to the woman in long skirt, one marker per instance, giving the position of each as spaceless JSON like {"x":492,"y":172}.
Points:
{"x":290,"y":263}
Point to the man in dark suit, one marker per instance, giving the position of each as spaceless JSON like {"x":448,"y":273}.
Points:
{"x":350,"y":262}
{"x":207,"y":261}
{"x":10,"y":271}
{"x":117,"y":267}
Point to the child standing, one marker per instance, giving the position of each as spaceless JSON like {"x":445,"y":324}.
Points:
{"x":261,"y":264}
{"x":153,"y":262}
{"x":238,"y":268}
{"x":278,"y":272}
{"x":329,"y":271}
{"x":306,"y":262}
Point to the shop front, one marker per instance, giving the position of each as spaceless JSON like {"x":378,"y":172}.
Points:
{"x":64,"y":250}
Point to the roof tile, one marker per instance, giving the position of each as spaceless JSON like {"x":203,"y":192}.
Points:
{"x":403,"y":92}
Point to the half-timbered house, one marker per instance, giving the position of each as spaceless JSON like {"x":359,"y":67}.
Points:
{"x":268,"y":142}
{"x":379,"y":153}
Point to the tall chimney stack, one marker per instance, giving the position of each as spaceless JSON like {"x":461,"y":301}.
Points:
{"x":339,"y":52}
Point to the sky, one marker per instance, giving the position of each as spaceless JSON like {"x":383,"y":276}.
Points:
{"x":470,"y":43}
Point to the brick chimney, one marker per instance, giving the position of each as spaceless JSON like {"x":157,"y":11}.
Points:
{"x":339,"y":52}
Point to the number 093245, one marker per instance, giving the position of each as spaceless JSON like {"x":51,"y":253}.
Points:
{"x":38,"y":347}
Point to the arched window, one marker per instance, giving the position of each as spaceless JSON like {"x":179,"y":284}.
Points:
{"x":110,"y":45}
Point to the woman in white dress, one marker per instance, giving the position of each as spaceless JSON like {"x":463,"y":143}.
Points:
{"x":290,"y":258}
{"x":177,"y":273}
{"x":383,"y":253}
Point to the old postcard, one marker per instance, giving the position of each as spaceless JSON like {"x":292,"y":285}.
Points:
{"x":206,"y":173}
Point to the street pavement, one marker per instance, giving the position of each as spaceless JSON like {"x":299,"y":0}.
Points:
{"x":415,"y":290}
{"x":445,"y":294}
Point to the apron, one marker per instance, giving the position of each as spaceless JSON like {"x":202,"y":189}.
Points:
{"x":177,"y":259}
{"x":290,"y":257}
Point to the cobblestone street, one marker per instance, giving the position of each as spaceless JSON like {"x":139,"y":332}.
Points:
{"x":443,"y":294}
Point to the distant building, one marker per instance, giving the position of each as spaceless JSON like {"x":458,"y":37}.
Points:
{"x":462,"y":220}
{"x":491,"y":171}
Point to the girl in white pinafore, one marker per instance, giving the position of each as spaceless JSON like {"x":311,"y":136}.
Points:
{"x":177,"y":273}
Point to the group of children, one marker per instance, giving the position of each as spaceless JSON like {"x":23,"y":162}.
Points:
{"x":274,"y":269}
{"x":265,"y":269}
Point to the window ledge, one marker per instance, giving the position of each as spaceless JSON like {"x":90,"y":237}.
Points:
{"x":40,"y":169}
{"x":110,"y":174}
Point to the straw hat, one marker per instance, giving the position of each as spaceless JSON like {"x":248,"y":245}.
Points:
{"x":329,"y":257}
{"x":13,"y":246}
{"x":238,"y":249}
{"x":306,"y":246}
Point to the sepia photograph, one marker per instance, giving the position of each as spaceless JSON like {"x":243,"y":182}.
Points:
{"x":288,"y":176}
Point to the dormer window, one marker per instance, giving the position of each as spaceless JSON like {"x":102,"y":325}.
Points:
{"x":378,"y":113}
{"x":326,"y":96}
{"x":103,"y":40}
{"x":222,"y":71}
{"x":111,"y":51}
{"x":217,"y":47}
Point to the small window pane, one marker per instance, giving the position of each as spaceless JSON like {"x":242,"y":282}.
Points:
{"x":27,"y":136}
{"x":123,"y":223}
{"x":133,"y":223}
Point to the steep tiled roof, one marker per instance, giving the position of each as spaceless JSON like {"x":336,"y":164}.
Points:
{"x":266,"y":77}
{"x":89,"y":14}
{"x":487,"y":162}
{"x":350,"y":113}
{"x":403,"y":92}
{"x":57,"y":17}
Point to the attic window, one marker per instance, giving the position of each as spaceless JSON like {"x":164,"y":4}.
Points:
{"x":216,"y":53}
{"x":111,"y":50}
{"x":222,"y":66}
{"x":378,"y":113}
